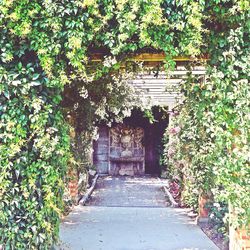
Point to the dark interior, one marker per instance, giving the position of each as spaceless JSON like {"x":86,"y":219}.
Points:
{"x":154,"y":131}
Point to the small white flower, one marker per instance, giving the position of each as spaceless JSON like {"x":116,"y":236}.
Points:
{"x":216,"y":204}
{"x":220,"y":75}
{"x":109,"y":61}
{"x":76,"y":106}
{"x":83,"y":93}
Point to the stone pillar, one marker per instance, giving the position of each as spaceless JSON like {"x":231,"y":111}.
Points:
{"x":101,"y":151}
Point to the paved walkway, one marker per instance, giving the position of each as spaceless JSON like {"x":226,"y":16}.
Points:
{"x":130,"y":214}
{"x":128,"y":192}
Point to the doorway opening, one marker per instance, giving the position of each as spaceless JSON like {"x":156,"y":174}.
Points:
{"x":133,"y":147}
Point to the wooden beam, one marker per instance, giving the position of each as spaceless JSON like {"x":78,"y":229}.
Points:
{"x":148,"y":57}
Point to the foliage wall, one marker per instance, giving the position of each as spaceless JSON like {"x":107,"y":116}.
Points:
{"x":34,"y":152}
{"x":209,"y":145}
{"x":45,"y":49}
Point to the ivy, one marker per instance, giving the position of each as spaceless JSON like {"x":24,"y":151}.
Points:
{"x":211,"y":151}
{"x":34,"y":152}
{"x":47,"y":73}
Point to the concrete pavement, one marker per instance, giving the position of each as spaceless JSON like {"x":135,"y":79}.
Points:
{"x":119,"y":219}
{"x":129,"y":192}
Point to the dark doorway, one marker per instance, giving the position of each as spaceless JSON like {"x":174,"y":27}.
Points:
{"x":154,"y":125}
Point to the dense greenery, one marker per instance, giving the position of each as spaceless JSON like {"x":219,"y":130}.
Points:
{"x":105,"y":100}
{"x":34,"y":153}
{"x":209,"y":145}
{"x":45,"y":54}
{"x":46,"y":45}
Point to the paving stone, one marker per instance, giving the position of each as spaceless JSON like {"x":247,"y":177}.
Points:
{"x":128,"y":213}
{"x":128,"y":192}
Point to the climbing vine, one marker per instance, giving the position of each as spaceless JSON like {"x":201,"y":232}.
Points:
{"x":46,"y":52}
{"x":209,"y":145}
{"x":34,"y":153}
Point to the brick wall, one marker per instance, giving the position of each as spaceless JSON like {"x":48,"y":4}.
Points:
{"x":239,"y":239}
{"x":73,"y":184}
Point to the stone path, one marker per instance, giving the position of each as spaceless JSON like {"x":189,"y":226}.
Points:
{"x":128,"y":192}
{"x":130,"y":214}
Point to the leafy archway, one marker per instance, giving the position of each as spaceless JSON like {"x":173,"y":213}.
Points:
{"x":47,"y":45}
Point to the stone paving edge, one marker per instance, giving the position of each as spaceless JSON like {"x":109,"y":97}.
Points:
{"x":87,"y":195}
{"x":170,"y":197}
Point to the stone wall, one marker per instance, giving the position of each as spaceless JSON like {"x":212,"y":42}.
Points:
{"x":101,"y":151}
{"x":119,"y":150}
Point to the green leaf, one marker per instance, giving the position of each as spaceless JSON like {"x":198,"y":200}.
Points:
{"x":6,"y":94}
{"x":19,"y":65}
{"x":35,"y":83}
{"x":35,"y":76}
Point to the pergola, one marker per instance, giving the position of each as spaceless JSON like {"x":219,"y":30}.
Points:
{"x":154,"y":84}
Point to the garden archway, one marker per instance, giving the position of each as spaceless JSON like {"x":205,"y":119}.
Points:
{"x":158,"y":89}
{"x":47,"y":45}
